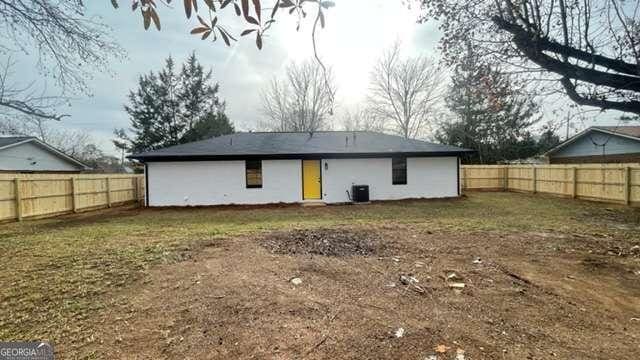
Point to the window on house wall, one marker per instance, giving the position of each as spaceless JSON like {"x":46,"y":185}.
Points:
{"x":253,"y":170}
{"x":399,"y":171}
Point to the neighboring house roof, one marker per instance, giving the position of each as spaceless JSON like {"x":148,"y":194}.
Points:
{"x":299,"y":145}
{"x":629,"y":132}
{"x":8,"y":142}
{"x":633,"y":131}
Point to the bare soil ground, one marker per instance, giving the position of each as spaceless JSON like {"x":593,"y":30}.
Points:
{"x":526,"y":296}
{"x":491,"y":276}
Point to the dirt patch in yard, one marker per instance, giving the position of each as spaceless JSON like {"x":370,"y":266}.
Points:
{"x":324,"y":242}
{"x":496,"y":276}
{"x":483,"y":295}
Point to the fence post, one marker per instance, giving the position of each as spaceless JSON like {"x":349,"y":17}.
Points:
{"x":534,"y":178}
{"x":108,"y":191}
{"x":135,"y":189}
{"x":74,"y":194}
{"x":574,"y":180}
{"x":464,"y":178}
{"x":18,"y":197}
{"x":627,"y":185}
{"x":505,"y":178}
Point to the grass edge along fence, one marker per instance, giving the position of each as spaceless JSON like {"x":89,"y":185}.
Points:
{"x":29,"y":196}
{"x":614,"y":183}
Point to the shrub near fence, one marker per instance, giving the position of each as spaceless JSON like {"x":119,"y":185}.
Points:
{"x":616,"y":183}
{"x":45,"y":195}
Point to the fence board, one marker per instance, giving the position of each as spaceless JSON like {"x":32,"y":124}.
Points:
{"x":598,"y":182}
{"x":44,"y":195}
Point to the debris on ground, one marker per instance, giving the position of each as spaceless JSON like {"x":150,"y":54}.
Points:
{"x":454,"y":281}
{"x":408,"y":279}
{"x":399,"y":333}
{"x":296,"y":281}
{"x":325,"y":242}
{"x":441,"y":349}
{"x":431,"y":357}
{"x":411,"y":281}
{"x":452,"y":276}
{"x":460,"y":354}
{"x":477,"y":261}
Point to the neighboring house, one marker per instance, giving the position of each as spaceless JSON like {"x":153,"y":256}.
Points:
{"x":601,"y":144}
{"x":263,"y":168}
{"x":28,"y":154}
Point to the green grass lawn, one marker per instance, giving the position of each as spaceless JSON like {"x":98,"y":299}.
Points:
{"x":57,"y":273}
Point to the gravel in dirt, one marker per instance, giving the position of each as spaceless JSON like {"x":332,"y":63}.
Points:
{"x":324,"y":242}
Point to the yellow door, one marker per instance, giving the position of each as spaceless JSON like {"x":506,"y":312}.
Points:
{"x":311,"y":180}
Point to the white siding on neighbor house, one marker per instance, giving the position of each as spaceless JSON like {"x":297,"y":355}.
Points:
{"x":432,"y":177}
{"x":31,"y":157}
{"x":223,"y":182}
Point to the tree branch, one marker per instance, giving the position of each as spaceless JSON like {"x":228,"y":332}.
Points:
{"x":627,"y":106}
{"x":30,"y":110}
{"x":544,"y":44}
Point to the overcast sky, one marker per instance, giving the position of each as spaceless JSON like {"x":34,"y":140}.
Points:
{"x":357,"y":32}
{"x":349,"y":46}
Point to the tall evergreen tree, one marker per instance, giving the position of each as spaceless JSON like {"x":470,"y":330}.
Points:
{"x":212,"y":125}
{"x":173,"y":107}
{"x":198,"y":95}
{"x":492,"y":114}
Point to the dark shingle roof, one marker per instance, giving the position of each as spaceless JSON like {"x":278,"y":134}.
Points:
{"x":4,"y":141}
{"x":299,"y":144}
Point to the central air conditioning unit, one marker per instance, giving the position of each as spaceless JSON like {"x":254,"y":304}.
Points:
{"x":360,"y":193}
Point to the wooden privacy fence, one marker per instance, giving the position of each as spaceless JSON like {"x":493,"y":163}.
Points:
{"x":44,"y":195}
{"x":616,"y":183}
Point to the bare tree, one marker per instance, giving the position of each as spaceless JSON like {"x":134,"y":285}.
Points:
{"x":406,"y":92}
{"x":587,"y":49}
{"x":361,"y":119}
{"x":69,"y":45}
{"x":303,"y":101}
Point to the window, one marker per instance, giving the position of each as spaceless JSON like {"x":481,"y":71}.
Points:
{"x":253,"y":173}
{"x":399,"y":171}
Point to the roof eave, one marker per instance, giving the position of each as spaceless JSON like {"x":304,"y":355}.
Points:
{"x":17,"y":143}
{"x":199,"y":157}
{"x":62,"y":155}
{"x":579,"y":135}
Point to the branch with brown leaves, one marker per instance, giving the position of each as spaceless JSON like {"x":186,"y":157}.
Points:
{"x":251,"y":12}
